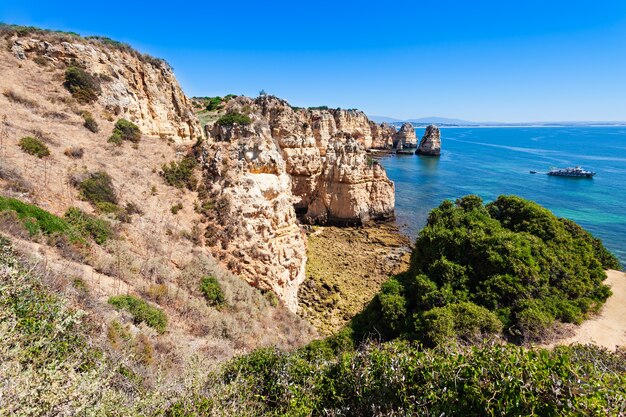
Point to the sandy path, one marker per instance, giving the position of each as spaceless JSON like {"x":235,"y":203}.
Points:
{"x":608,"y":329}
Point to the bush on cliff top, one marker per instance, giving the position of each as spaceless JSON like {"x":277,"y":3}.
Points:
{"x":477,"y":269}
{"x":230,"y":119}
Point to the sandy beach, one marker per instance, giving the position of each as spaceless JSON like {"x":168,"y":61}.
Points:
{"x":608,"y":328}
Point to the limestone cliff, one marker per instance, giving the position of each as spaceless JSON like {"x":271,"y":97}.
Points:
{"x":405,"y":137}
{"x":286,"y":161}
{"x":252,"y":222}
{"x":139,"y":88}
{"x":333,"y":179}
{"x":431,"y":142}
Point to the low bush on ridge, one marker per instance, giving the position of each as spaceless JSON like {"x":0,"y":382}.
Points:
{"x":233,"y":118}
{"x":402,"y":379}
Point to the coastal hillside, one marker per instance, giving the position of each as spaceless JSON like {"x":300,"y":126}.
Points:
{"x":99,"y":185}
{"x":235,"y":256}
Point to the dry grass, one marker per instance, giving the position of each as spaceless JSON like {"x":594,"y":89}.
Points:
{"x":14,"y":97}
{"x":159,"y":256}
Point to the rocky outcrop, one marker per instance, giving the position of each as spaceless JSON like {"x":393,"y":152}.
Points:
{"x":431,"y":142}
{"x":252,"y":223}
{"x":287,"y":161}
{"x":382,"y":135}
{"x":352,"y":188}
{"x":333,"y":179}
{"x":134,"y":86}
{"x":405,"y":137}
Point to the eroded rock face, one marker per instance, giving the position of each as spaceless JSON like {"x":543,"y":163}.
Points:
{"x":405,"y":137}
{"x":382,"y":135}
{"x":287,"y":161}
{"x":351,"y":189}
{"x":431,"y":142}
{"x":252,"y":225}
{"x":141,"y":89}
{"x":333,"y":179}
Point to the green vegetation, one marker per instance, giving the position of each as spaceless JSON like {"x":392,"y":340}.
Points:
{"x":318,"y":108}
{"x":87,"y":225}
{"x":97,"y":188}
{"x":125,"y":130}
{"x":34,"y":146}
{"x":232,"y":118}
{"x":176,"y":208}
{"x":141,"y":311}
{"x":180,"y":174}
{"x":34,"y":219}
{"x":212,"y":291}
{"x":478,"y":269}
{"x":75,"y":224}
{"x":214,"y":103}
{"x":402,"y":379}
{"x":90,"y":123}
{"x":43,"y":349}
{"x":84,"y":87}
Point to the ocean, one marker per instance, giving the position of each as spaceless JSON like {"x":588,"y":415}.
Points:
{"x":493,"y":161}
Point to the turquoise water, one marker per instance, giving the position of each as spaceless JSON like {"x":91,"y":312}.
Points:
{"x":494,"y":161}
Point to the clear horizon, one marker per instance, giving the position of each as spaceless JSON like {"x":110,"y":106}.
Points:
{"x":484,"y":61}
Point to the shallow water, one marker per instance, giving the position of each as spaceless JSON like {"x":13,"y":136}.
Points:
{"x":494,"y":161}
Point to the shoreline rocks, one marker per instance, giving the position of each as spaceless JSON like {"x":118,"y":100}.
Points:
{"x":430,"y":144}
{"x":405,"y":137}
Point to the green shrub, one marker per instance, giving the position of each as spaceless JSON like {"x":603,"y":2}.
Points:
{"x":176,"y":208}
{"x":35,"y":219}
{"x":402,"y":379}
{"x":34,"y":146}
{"x":90,"y":123}
{"x":98,"y":188}
{"x":509,"y":264}
{"x":232,"y":118}
{"x":125,"y":130}
{"x":463,"y":321}
{"x":141,"y":311}
{"x":180,"y":174}
{"x":88,"y":226}
{"x":212,"y":291}
{"x":214,"y":103}
{"x":84,"y":87}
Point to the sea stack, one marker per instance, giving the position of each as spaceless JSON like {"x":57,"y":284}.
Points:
{"x":405,"y":137}
{"x":430,"y":143}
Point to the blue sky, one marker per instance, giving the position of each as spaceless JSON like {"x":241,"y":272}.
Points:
{"x":478,"y":60}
